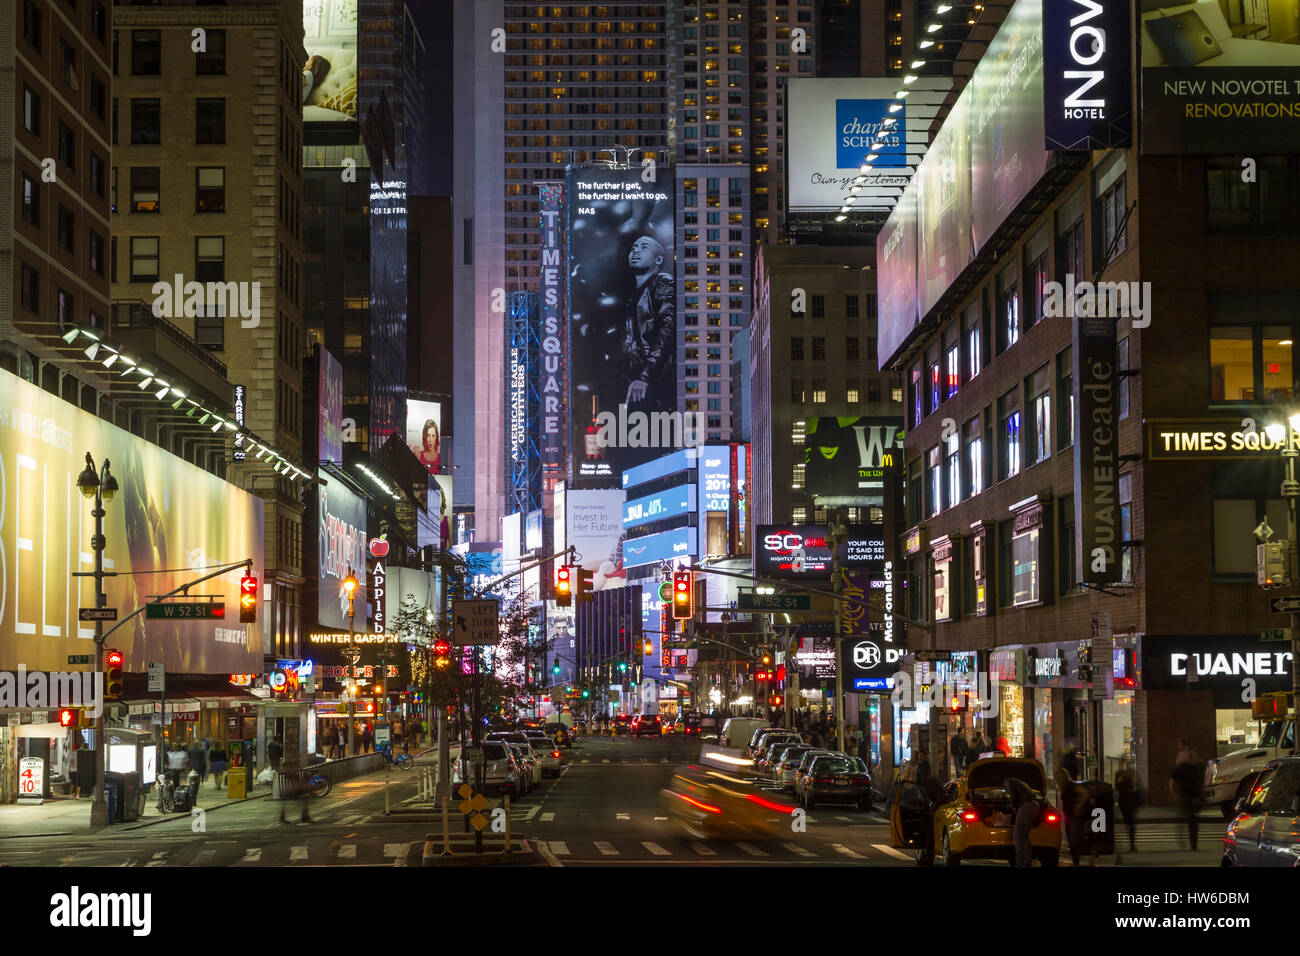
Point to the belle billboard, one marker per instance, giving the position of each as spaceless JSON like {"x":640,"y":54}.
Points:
{"x":1216,"y":84}
{"x":167,"y":514}
{"x":329,"y":78}
{"x":623,"y":313}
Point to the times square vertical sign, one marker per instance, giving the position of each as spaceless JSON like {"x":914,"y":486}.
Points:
{"x":551,"y":379}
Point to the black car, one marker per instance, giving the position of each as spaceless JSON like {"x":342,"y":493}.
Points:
{"x":647,"y":724}
{"x":623,"y":724}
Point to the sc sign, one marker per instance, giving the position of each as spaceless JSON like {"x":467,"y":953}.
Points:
{"x":1086,"y":74}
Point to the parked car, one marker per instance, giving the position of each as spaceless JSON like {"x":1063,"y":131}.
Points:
{"x":974,"y":816}
{"x":769,"y":747}
{"x":647,"y":725}
{"x":510,"y":736}
{"x":763,"y":734}
{"x":530,"y":765}
{"x":738,"y":730}
{"x":805,"y":764}
{"x":1266,"y":829}
{"x":688,"y":725}
{"x":786,"y":763}
{"x":501,"y":770}
{"x":835,"y":778}
{"x":549,"y":756}
{"x":1232,"y":777}
{"x":623,"y":724}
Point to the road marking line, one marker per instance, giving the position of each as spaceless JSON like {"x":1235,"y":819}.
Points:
{"x":203,"y":857}
{"x":751,"y":849}
{"x":584,"y":760}
{"x":548,"y":817}
{"x":841,"y":848}
{"x":702,"y":849}
{"x":348,"y":851}
{"x":298,"y":853}
{"x":622,"y":816}
{"x":663,"y":759}
{"x":546,"y":853}
{"x":796,"y":848}
{"x":845,"y":819}
{"x":532,"y":813}
{"x":656,"y":849}
{"x":661,"y":819}
{"x":890,"y":851}
{"x":397,"y":849}
{"x":252,"y":855}
{"x":607,"y":849}
{"x":159,"y":855}
{"x":606,"y":760}
{"x":559,"y":848}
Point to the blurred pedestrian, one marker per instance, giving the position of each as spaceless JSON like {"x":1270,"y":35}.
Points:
{"x":1185,"y":786}
{"x":1025,"y":811}
{"x":1126,"y":795}
{"x":176,"y":761}
{"x":977,"y":746}
{"x":959,"y":749}
{"x":295,"y":781}
{"x":274,"y":751}
{"x":217,"y":763}
{"x":1071,"y":759}
{"x":1072,"y":800}
{"x":199,"y":760}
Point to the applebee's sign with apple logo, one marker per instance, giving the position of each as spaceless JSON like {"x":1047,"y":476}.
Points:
{"x":378,"y":575}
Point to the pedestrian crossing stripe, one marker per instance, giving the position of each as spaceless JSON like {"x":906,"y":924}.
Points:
{"x":656,"y":849}
{"x":890,"y":851}
{"x":702,"y":849}
{"x":796,"y":848}
{"x":348,"y":851}
{"x":252,"y":855}
{"x":751,"y":849}
{"x":559,"y":848}
{"x":298,"y":853}
{"x":548,"y":817}
{"x":841,"y":848}
{"x":607,"y":849}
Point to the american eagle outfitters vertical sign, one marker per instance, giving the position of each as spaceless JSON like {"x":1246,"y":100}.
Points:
{"x":1096,"y":451}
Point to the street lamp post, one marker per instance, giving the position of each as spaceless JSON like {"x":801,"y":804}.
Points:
{"x":1290,"y":433}
{"x":838,"y":533}
{"x":350,"y":588}
{"x":101,"y":487}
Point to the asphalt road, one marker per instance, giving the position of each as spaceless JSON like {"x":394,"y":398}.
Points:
{"x":603,"y":810}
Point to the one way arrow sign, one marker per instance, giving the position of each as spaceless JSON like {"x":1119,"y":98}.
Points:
{"x":1285,"y":605}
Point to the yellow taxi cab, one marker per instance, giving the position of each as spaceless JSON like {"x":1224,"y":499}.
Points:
{"x":724,"y":800}
{"x":973,"y":816}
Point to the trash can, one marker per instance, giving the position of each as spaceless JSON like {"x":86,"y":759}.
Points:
{"x":237,"y":783}
{"x":1099,"y":828}
{"x":132,"y":797}
{"x":113,"y":783}
{"x":110,"y":795}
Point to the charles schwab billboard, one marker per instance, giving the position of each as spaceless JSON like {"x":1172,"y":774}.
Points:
{"x":1210,"y":85}
{"x":1086,"y":77}
{"x":166,"y":515}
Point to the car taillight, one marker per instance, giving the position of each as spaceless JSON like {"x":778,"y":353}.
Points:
{"x":970,"y":816}
{"x":1050,"y":817}
{"x":555,"y":753}
{"x":821,"y":779}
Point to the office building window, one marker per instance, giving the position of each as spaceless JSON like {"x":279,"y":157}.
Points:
{"x":1126,"y":527}
{"x":796,"y":480}
{"x":818,"y":348}
{"x":65,"y":308}
{"x":144,"y":258}
{"x":67,"y":146}
{"x":210,"y":328}
{"x":96,"y":257}
{"x":144,"y":189}
{"x":67,"y":229}
{"x":819,"y":391}
{"x":851,"y":391}
{"x":796,"y":391}
{"x":850,"y":306}
{"x":146,"y":121}
{"x":31,"y":289}
{"x":1036,"y":283}
{"x":796,"y":348}
{"x":212,"y":61}
{"x":1121,"y":363}
{"x":1008,"y":313}
{"x":934,"y":480}
{"x":146,"y":52}
{"x":97,"y":165}
{"x":32,"y":17}
{"x":916,"y":396}
{"x":31,"y":200}
{"x":798,"y":515}
{"x":936,"y":387}
{"x":851,"y":348}
{"x":974,"y":456}
{"x":1040,"y":400}
{"x":31,"y":111}
{"x":209,"y":120}
{"x":1009,"y":440}
{"x":1072,"y":249}
{"x":1113,"y":230}
{"x":1068,"y":574}
{"x":1064,"y":399}
{"x":974,"y":341}
{"x":210,"y":189}
{"x":953,"y":449}
{"x":819,"y":307}
{"x":954,"y":368}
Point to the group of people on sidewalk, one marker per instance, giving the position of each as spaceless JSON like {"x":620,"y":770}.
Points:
{"x":201,"y":758}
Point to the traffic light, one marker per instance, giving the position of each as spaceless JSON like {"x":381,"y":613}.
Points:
{"x":113,"y":673}
{"x":649,"y":647}
{"x":683,"y":594}
{"x":248,"y":599}
{"x":767,"y":655}
{"x":441,"y":654}
{"x":585,"y":587}
{"x":68,"y":717}
{"x":622,"y":667}
{"x":666,"y":592}
{"x":774,"y":700}
{"x":586,"y":693}
{"x":563,"y":587}
{"x":555,"y":668}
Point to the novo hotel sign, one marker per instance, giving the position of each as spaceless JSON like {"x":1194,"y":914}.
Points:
{"x":1086,"y":74}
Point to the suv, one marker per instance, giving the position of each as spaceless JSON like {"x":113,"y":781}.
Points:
{"x":647,"y":724}
{"x":1231,"y":777}
{"x":501,"y":770}
{"x":623,"y":724}
{"x":1265,"y":831}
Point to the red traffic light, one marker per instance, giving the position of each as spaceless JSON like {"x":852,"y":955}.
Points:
{"x":112,"y":658}
{"x":563,"y":586}
{"x":67,"y":718}
{"x":441,"y":648}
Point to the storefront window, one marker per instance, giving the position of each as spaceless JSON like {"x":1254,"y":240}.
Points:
{"x":1043,"y":730}
{"x":1116,"y":733}
{"x":1011,"y":717}
{"x":1024,"y":569}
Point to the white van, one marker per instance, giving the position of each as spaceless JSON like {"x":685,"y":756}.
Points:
{"x":737,"y":731}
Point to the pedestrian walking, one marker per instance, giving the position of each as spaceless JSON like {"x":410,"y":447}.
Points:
{"x":176,"y":761}
{"x":341,"y":742}
{"x":959,"y":749}
{"x":274,"y":751}
{"x":1126,"y":795}
{"x":1071,"y":760}
{"x":1185,"y":786}
{"x":199,"y":760}
{"x":366,"y":738}
{"x":1025,"y":810}
{"x":977,"y":746}
{"x":297,"y":783}
{"x":217,"y":763}
{"x":1072,"y":799}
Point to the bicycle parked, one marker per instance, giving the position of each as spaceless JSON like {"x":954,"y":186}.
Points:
{"x":403,"y":761}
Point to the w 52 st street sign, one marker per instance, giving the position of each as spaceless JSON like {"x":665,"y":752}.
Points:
{"x":748,"y":601}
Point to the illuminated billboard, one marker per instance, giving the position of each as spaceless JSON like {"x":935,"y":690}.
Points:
{"x":595,"y":528}
{"x":424,"y":433}
{"x":792,"y":551}
{"x":551,"y":375}
{"x":166,"y":515}
{"x":664,"y":546}
{"x":622,"y":301}
{"x":1086,"y":74}
{"x":987,"y":155}
{"x":1216,"y":84}
{"x":656,"y":507}
{"x":329,"y":383}
{"x":329,"y":78}
{"x":847,"y":456}
{"x":341,"y":545}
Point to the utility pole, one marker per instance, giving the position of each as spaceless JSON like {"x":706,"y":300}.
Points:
{"x":837,"y":536}
{"x":1290,"y":491}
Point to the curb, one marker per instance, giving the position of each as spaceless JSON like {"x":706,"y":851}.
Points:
{"x":179,"y":816}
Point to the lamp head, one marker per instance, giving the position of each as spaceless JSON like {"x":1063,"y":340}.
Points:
{"x":88,"y":481}
{"x":110,"y":483}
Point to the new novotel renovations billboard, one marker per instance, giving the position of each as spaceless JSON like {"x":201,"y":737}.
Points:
{"x":1214,"y":86}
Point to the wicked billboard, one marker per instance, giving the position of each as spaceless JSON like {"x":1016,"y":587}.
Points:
{"x":167,"y":516}
{"x":850,"y":456}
